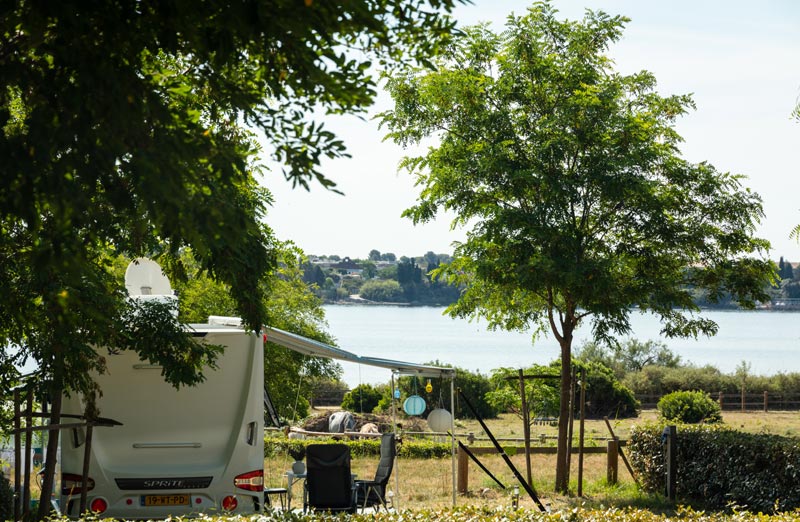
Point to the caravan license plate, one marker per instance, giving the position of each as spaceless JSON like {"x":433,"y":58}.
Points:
{"x":166,"y":500}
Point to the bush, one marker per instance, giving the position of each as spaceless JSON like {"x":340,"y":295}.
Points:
{"x":361,"y":399}
{"x":722,"y":467}
{"x":605,"y":395}
{"x":689,"y":407}
{"x":660,"y":380}
{"x":6,"y":499}
{"x":541,"y":395}
{"x":382,"y":291}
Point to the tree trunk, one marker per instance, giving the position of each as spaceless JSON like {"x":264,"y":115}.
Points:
{"x":562,"y":460}
{"x":51,"y":458}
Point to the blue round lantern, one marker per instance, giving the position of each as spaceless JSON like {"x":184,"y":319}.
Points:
{"x":414,"y":405}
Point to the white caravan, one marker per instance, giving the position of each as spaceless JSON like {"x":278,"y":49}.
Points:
{"x":178,"y":452}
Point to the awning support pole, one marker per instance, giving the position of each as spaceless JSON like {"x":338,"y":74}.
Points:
{"x":453,"y":437}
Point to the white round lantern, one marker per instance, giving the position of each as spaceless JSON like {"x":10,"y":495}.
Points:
{"x":414,"y":405}
{"x":439,"y":420}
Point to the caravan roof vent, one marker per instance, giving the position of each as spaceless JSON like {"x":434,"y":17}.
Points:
{"x":145,"y":277}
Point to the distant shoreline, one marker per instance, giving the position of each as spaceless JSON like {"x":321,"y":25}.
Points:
{"x":785,"y":308}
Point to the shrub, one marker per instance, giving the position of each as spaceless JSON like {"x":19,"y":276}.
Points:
{"x":382,"y":290}
{"x":541,"y":395}
{"x":6,"y":499}
{"x":660,"y":380}
{"x":362,"y":399}
{"x":605,"y":395}
{"x":690,"y":407}
{"x":722,"y":467}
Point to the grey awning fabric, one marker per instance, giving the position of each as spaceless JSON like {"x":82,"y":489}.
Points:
{"x":308,"y":346}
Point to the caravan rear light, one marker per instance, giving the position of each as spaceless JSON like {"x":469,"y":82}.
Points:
{"x":72,"y":484}
{"x":229,"y":503}
{"x":252,"y":481}
{"x":98,"y":506}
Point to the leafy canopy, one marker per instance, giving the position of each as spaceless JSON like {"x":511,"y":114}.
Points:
{"x":569,"y":178}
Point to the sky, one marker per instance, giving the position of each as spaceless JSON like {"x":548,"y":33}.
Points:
{"x":740,"y":61}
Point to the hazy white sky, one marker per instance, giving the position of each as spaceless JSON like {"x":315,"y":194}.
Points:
{"x":740,"y":60}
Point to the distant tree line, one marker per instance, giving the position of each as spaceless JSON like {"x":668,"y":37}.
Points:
{"x":385,"y":278}
{"x":381,"y":277}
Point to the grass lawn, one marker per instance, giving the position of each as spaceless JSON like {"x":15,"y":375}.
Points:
{"x":427,"y":483}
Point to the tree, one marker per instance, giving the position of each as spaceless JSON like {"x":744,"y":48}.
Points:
{"x":388,"y":256}
{"x":568,"y":176}
{"x":369,"y":270}
{"x":431,"y":260}
{"x":390,"y":272}
{"x":791,"y":288}
{"x":374,"y":255}
{"x":785,"y":270}
{"x":126,"y":127}
{"x":631,"y":355}
{"x":317,"y":276}
{"x":362,"y":399}
{"x":409,"y":275}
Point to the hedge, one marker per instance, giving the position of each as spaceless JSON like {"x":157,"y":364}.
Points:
{"x":415,"y":449}
{"x":722,"y":467}
{"x":483,"y":514}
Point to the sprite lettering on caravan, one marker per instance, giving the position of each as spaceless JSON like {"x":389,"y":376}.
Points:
{"x":159,"y":484}
{"x":178,"y":452}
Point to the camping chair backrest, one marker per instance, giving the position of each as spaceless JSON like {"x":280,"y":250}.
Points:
{"x":388,"y":452}
{"x":328,"y":477}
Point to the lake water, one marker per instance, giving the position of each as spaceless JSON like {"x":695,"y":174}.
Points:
{"x":769,"y":341}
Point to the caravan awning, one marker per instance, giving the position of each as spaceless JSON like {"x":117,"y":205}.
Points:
{"x":308,"y":346}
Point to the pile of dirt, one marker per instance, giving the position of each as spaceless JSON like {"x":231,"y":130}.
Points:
{"x":320,"y":422}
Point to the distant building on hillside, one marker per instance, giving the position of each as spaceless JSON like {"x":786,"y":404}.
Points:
{"x":347,"y":267}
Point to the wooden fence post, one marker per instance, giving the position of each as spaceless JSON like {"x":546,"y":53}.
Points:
{"x":720,"y":400}
{"x":462,"y":475}
{"x":612,"y":470}
{"x":766,"y":401}
{"x":744,"y":407}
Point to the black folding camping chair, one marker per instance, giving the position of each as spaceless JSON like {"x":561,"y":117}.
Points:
{"x":372,"y":493}
{"x":329,"y":485}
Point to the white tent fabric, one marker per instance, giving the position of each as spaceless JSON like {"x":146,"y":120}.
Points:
{"x":308,"y":346}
